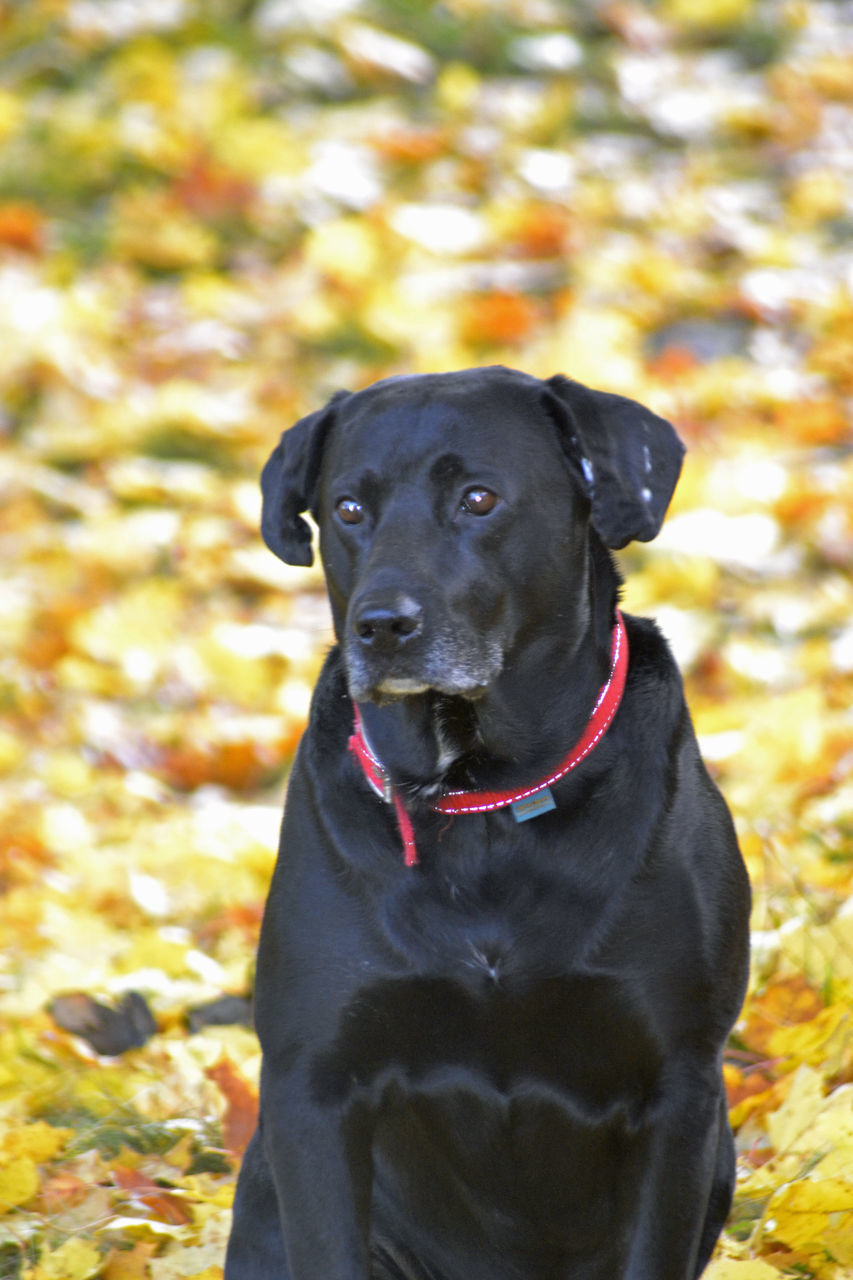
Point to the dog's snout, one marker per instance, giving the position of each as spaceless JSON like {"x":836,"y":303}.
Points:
{"x":388,"y":626}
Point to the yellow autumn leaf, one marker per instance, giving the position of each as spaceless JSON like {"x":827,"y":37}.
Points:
{"x":228,"y":672}
{"x":201,"y":1260}
{"x":39,"y":1141}
{"x":822,"y":951}
{"x":67,"y":773}
{"x":191,"y":1263}
{"x":839,"y":940}
{"x":19,"y":1182}
{"x":831,"y":1134}
{"x":790,"y":731}
{"x":11,"y":113}
{"x":101,"y":1091}
{"x":130,"y":1264}
{"x":152,"y":230}
{"x":12,"y":751}
{"x":706,"y":13}
{"x":150,"y":950}
{"x":147,"y":1229}
{"x":142,"y":621}
{"x":810,"y":1042}
{"x":214,"y":1200}
{"x":347,"y":250}
{"x":817,"y":196}
{"x":597,"y":347}
{"x":815,"y":1217}
{"x":817,"y":1134}
{"x":735,"y":1269}
{"x":457,"y":87}
{"x":255,"y":148}
{"x":147,"y":72}
{"x":788,"y":1126}
{"x":74,"y":1260}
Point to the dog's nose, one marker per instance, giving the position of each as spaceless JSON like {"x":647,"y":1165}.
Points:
{"x":388,"y":626}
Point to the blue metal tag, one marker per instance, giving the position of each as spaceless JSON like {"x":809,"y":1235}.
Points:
{"x":532,"y":806}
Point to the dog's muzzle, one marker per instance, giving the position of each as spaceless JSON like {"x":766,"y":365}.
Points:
{"x":383,"y":643}
{"x":391,"y":651}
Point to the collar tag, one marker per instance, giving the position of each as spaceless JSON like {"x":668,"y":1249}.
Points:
{"x":531,"y":806}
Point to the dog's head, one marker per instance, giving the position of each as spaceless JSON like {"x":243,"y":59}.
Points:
{"x":455,"y":513}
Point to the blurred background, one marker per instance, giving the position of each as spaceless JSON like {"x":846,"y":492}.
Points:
{"x":212,"y":215}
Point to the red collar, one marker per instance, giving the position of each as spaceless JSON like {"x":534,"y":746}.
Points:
{"x":527,"y":802}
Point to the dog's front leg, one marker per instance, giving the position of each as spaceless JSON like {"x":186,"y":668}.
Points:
{"x":256,"y":1245}
{"x":303,"y":1199}
{"x":687,"y":1194}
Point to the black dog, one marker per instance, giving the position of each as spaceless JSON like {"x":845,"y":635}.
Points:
{"x":507,"y":933}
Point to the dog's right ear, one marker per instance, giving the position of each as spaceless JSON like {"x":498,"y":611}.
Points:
{"x":289,"y":482}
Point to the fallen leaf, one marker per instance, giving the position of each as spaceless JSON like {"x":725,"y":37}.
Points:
{"x":129,"y":1264}
{"x":241,"y":1114}
{"x":73,"y":1260}
{"x":39,"y":1141}
{"x":161,"y":1204}
{"x":733,"y":1269}
{"x":19,"y":1182}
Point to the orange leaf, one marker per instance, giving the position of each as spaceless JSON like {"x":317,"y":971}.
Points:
{"x":240,"y":765}
{"x":209,"y":190}
{"x":673,"y":362}
{"x":411,"y":146}
{"x":243,"y":916}
{"x":21,"y":227}
{"x":541,"y":231}
{"x":742,"y":1084}
{"x":498,"y":318}
{"x":813,"y":421}
{"x":241,"y":1113}
{"x":23,"y":856}
{"x":784,"y":1002}
{"x":163,"y":1206}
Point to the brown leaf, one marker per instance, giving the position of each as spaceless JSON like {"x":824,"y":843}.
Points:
{"x":241,"y":1113}
{"x":129,"y":1264}
{"x":63,"y":1191}
{"x":164,"y":1206}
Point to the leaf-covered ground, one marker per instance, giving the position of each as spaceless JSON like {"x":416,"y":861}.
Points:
{"x":212,"y":215}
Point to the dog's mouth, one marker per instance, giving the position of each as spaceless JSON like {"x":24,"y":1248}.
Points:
{"x":400,"y":687}
{"x":396,"y":690}
{"x":467,"y":677}
{"x":406,"y":644}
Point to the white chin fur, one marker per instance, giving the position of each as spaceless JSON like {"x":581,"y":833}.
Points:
{"x":402,"y":688}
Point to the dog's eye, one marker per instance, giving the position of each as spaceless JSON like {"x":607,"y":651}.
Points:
{"x":350,"y":511}
{"x":479,"y":502}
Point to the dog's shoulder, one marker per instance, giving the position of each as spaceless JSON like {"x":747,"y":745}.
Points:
{"x":330,"y":717}
{"x":655,"y":689}
{"x":650,"y":651}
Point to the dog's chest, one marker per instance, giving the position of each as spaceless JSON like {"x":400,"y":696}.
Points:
{"x":492,"y":996}
{"x":582,"y":1035}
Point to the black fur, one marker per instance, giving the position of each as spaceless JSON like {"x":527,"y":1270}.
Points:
{"x":503,"y":1063}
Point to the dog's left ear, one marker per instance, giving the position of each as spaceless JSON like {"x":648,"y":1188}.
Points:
{"x":627,"y":458}
{"x":289,"y":483}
